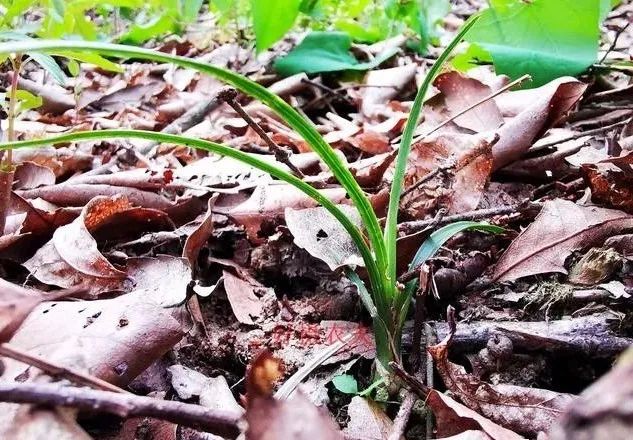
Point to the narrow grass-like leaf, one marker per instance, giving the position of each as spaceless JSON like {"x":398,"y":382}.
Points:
{"x":296,"y":121}
{"x":391,"y":227}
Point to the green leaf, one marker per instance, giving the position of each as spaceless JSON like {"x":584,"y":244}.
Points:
{"x":190,"y":9}
{"x":472,"y":57}
{"x":16,"y":8}
{"x":223,"y":6}
{"x":345,"y":383}
{"x":544,"y":38}
{"x":325,"y":52}
{"x":271,"y":21}
{"x":27,"y":100}
{"x":58,"y":10}
{"x":73,"y":67}
{"x":91,"y":58}
{"x":141,"y":32}
{"x":437,"y":239}
{"x":50,"y":65}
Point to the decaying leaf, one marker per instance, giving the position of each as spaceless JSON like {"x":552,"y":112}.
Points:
{"x":270,"y":419}
{"x":245,"y":304}
{"x":367,"y":420}
{"x":521,"y":409}
{"x":559,"y":229}
{"x":318,"y":232}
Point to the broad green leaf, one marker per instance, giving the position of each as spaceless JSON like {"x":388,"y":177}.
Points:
{"x":472,"y":57}
{"x":58,"y":10}
{"x":27,"y":100}
{"x":223,"y":6}
{"x":190,"y":9}
{"x":141,"y":32}
{"x":271,"y":20}
{"x":16,"y":8}
{"x":325,"y":52}
{"x":544,"y":38}
{"x":345,"y":383}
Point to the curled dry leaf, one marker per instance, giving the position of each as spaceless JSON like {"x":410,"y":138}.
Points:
{"x":317,"y":231}
{"x":560,"y":228}
{"x":454,"y":419}
{"x":521,"y":409}
{"x":71,"y":257}
{"x":68,"y":194}
{"x":549,"y":104}
{"x":268,"y":419}
{"x":267,"y":203}
{"x":611,"y":188}
{"x":383,"y":85}
{"x":199,"y":236}
{"x":31,"y":175}
{"x":61,"y":160}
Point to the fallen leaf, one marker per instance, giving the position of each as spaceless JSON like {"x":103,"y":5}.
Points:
{"x":610,"y":188}
{"x":454,"y":419}
{"x":245,"y":304}
{"x":268,"y":419}
{"x":383,"y":85}
{"x":459,"y":93}
{"x":367,"y":420}
{"x":198,"y":238}
{"x":521,"y":409}
{"x":317,"y":231}
{"x":561,"y":228}
{"x":31,"y":175}
{"x":551,"y":104}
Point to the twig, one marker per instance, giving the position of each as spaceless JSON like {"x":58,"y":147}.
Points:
{"x":615,"y":41}
{"x":224,"y":423}
{"x":57,"y":370}
{"x":228,"y":96}
{"x":576,"y":136}
{"x":415,"y":384}
{"x":327,"y":89}
{"x":191,"y":117}
{"x":478,"y":214}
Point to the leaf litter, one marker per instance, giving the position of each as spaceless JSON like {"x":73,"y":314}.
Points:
{"x":107,"y":243}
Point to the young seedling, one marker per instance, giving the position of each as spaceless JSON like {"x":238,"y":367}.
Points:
{"x":386,"y":300}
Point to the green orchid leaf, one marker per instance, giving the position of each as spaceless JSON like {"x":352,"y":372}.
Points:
{"x":345,"y":383}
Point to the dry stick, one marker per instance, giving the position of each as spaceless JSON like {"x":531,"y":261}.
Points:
{"x":615,"y":41}
{"x":577,"y":136}
{"x":224,"y":423}
{"x":57,"y":370}
{"x":228,"y":96}
{"x":402,"y":418}
{"x":191,"y":117}
{"x":478,"y":214}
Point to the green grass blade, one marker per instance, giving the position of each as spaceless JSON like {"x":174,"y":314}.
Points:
{"x":391,"y":226}
{"x":305,"y":128}
{"x":213,"y":147}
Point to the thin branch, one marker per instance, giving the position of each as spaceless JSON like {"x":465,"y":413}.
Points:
{"x":228,"y":96}
{"x":577,"y":136}
{"x":615,"y":41}
{"x":224,"y":423}
{"x":402,"y":418}
{"x":57,"y":370}
{"x":478,"y":214}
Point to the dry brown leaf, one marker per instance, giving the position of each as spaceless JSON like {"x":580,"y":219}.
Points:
{"x":268,"y":203}
{"x":465,"y":187}
{"x":245,"y":304}
{"x":69,"y":194}
{"x":198,"y":238}
{"x":610,"y":188}
{"x":549,"y":104}
{"x":16,"y":303}
{"x":388,"y":83}
{"x":371,"y":142}
{"x":31,"y":175}
{"x":560,"y":228}
{"x":460,"y":92}
{"x":61,"y":160}
{"x":521,"y":409}
{"x":270,"y":419}
{"x":453,"y":419}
